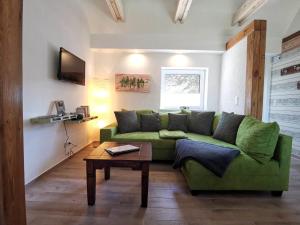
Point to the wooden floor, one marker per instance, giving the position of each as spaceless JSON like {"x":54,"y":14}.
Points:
{"x":59,"y":198}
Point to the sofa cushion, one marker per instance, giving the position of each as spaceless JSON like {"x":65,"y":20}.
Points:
{"x":178,"y":122}
{"x":216,"y":121}
{"x":150,"y":122}
{"x":127,"y":121}
{"x":143,"y":112}
{"x":201,"y":122}
{"x":227,"y":127}
{"x":139,"y":112}
{"x":152,"y":137}
{"x":164,"y":120}
{"x":257,"y":139}
{"x":210,"y":140}
{"x":177,"y":134}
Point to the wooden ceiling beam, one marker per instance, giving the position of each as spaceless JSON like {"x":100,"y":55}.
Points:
{"x":116,"y":10}
{"x":248,"y":8}
{"x":183,"y":7}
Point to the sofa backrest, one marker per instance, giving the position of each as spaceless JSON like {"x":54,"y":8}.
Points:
{"x":164,"y":120}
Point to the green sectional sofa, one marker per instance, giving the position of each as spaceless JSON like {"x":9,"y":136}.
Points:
{"x":244,"y":173}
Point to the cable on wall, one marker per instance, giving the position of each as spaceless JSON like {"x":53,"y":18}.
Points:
{"x":68,"y":152}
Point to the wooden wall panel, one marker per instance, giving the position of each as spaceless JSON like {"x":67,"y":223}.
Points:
{"x":12,"y":195}
{"x":256,"y":47}
{"x":285,"y":96}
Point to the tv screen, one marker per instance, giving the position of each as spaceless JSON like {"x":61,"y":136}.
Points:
{"x":71,"y":68}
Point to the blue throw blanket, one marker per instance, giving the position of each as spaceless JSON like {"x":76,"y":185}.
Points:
{"x":213,"y":157}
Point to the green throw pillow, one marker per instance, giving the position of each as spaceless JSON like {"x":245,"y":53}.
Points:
{"x":164,"y":120}
{"x":257,"y":139}
{"x":178,"y":134}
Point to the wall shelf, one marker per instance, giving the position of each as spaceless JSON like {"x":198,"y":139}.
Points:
{"x":52,"y":119}
{"x":70,"y":118}
{"x":86,"y":119}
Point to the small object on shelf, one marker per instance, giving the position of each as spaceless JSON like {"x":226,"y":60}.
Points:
{"x":52,"y":118}
{"x":85,"y":119}
{"x":60,"y":107}
{"x":86,"y":109}
{"x":80,"y":111}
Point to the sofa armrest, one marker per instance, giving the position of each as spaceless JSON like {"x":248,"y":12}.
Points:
{"x":106,"y":133}
{"x":283,"y":151}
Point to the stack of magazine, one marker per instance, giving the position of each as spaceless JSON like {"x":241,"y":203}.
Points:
{"x":122,"y":149}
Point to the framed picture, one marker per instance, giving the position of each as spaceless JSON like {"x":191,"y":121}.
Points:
{"x":60,"y":107}
{"x":86,"y":109}
{"x":132,"y":82}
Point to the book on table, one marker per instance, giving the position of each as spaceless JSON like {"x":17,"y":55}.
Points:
{"x":122,"y":149}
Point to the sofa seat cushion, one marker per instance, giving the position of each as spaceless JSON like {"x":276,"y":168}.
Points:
{"x":210,"y":140}
{"x":243,"y":165}
{"x":176,"y":134}
{"x":152,"y":137}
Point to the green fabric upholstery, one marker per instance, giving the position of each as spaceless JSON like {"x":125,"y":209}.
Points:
{"x":244,"y":173}
{"x":108,"y":132}
{"x":210,"y":140}
{"x":178,"y":134}
{"x":257,"y":139}
{"x":164,"y":120}
{"x":216,"y":121}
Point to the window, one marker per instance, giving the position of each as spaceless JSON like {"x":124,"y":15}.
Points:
{"x":182,"y":87}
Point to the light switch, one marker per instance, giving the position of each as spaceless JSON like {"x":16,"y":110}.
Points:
{"x":236,"y":100}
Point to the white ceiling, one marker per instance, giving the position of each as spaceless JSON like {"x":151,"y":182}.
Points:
{"x":208,"y":21}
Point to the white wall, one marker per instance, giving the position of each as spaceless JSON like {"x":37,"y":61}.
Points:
{"x":107,"y":64}
{"x":233,"y":79}
{"x":47,"y":26}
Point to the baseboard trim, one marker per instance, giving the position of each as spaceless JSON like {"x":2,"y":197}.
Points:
{"x":296,"y":156}
{"x":58,"y":164}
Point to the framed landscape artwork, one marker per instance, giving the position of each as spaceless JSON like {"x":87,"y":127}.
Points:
{"x":132,"y":82}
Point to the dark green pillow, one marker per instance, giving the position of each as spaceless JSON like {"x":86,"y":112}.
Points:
{"x":178,"y":122}
{"x":140,"y":111}
{"x":201,"y":122}
{"x":257,"y":139}
{"x":164,"y":120}
{"x":227,"y":127}
{"x":150,"y":122}
{"x":127,"y":121}
{"x":143,"y":111}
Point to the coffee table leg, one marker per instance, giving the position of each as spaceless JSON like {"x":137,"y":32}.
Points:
{"x":106,"y":172}
{"x":91,"y":182}
{"x":145,"y":183}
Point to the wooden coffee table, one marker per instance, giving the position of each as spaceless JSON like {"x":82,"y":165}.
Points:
{"x":100,"y":159}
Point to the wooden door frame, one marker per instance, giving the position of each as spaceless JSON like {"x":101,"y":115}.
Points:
{"x":12,"y":188}
{"x":255,"y":69}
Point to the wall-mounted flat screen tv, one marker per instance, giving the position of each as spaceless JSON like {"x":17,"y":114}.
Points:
{"x":71,"y":68}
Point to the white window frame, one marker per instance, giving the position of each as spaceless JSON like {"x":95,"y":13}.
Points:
{"x":187,"y":70}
